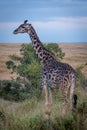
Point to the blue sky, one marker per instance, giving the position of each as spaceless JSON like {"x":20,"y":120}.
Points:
{"x":53,"y":20}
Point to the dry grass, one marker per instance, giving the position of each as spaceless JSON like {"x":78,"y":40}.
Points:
{"x":5,"y":51}
{"x":75,"y":52}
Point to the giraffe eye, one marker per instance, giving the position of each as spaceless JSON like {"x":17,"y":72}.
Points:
{"x":23,"y":27}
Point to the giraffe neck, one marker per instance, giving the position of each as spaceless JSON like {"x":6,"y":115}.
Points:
{"x":37,"y":45}
{"x":45,"y":55}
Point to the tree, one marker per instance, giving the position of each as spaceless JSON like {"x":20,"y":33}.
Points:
{"x":28,"y":66}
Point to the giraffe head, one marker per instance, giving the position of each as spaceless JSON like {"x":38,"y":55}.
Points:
{"x":23,"y":28}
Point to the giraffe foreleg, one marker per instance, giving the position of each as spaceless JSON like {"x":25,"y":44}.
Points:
{"x":45,"y":92}
{"x":64,"y":100}
{"x":50,"y":96}
{"x":64,"y":109}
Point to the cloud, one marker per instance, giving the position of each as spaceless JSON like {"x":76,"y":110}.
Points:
{"x":62,"y":22}
{"x":80,"y":0}
{"x":52,"y":23}
{"x":8,"y":25}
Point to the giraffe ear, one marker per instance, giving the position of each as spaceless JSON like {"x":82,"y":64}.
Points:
{"x":25,"y":21}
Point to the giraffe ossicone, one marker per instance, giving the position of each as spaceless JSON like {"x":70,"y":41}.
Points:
{"x":54,"y":74}
{"x":25,"y":21}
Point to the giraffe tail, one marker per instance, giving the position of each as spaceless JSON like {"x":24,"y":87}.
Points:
{"x":74,"y":101}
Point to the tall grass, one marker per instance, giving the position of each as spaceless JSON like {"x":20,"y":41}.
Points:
{"x":31,"y":114}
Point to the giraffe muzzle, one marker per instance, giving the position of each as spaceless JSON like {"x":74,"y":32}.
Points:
{"x":15,"y":32}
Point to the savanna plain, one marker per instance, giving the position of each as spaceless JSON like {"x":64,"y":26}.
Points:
{"x":31,"y":114}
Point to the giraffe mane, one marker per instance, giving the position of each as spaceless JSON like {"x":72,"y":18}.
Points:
{"x":50,"y":52}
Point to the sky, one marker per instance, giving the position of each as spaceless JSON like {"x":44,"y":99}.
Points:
{"x":53,"y":20}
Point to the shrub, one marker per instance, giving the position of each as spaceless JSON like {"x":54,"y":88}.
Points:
{"x":12,"y":90}
{"x":81,"y":78}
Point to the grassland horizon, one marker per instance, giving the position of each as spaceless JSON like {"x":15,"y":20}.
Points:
{"x":75,"y":55}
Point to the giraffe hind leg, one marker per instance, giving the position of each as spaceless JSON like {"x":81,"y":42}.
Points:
{"x":73,"y":96}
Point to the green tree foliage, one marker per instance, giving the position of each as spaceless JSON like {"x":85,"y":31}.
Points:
{"x":54,"y":47}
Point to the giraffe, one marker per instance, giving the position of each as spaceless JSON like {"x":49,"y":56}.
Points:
{"x":54,"y":74}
